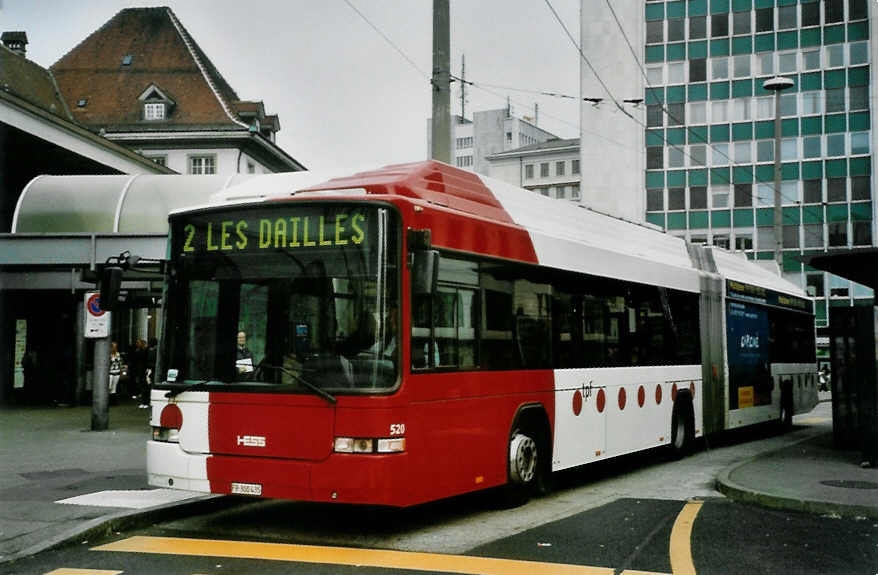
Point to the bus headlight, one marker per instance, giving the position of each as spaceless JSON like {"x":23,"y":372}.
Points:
{"x":368,"y":445}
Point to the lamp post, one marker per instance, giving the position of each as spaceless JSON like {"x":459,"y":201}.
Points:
{"x":777,"y":85}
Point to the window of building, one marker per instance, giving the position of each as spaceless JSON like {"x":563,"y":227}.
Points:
{"x":862,"y":233}
{"x":721,"y":241}
{"x":202,"y":165}
{"x":154,"y":111}
{"x":742,"y":109}
{"x":544,"y":170}
{"x":719,"y":196}
{"x":861,"y":188}
{"x":833,"y":11}
{"x":654,"y":116}
{"x":719,"y":25}
{"x":741,"y":22}
{"x":575,"y":195}
{"x":676,"y":157}
{"x":786,"y":17}
{"x":789,"y":191}
{"x":528,"y":171}
{"x":698,"y":198}
{"x":698,"y":155}
{"x":697,"y":27}
{"x":787,"y":63}
{"x":858,"y":53}
{"x":467,"y":142}
{"x":812,"y":234}
{"x":675,"y":30}
{"x":655,"y":32}
{"x":676,"y":73}
{"x":698,"y":113}
{"x":765,"y":19}
{"x":838,"y":286}
{"x":508,"y":138}
{"x":812,"y":147}
{"x":742,"y":65}
{"x":810,"y":14}
{"x":835,"y":56}
{"x":836,"y":189}
{"x":859,"y":98}
{"x":743,"y":240}
{"x":790,"y":237}
{"x":766,"y":63}
{"x":789,"y":105}
{"x":765,"y":238}
{"x":698,"y":239}
{"x":834,"y":100}
{"x":464,"y":161}
{"x":720,"y":156}
{"x":742,"y":153}
{"x":764,"y":194}
{"x":676,"y":114}
{"x":814,"y":285}
{"x":655,"y":75}
{"x":560,"y":168}
{"x":838,"y":235}
{"x":743,"y":195}
{"x":655,"y":200}
{"x":765,"y":108}
{"x":698,"y":70}
{"x":676,"y":198}
{"x":811,"y":60}
{"x":719,"y":111}
{"x":835,"y":145}
{"x":719,"y":68}
{"x":561,"y":193}
{"x":859,"y":143}
{"x":765,"y":151}
{"x":857,"y":9}
{"x":789,"y":149}
{"x":812,"y":191}
{"x":812,"y":103}
{"x":574,"y":167}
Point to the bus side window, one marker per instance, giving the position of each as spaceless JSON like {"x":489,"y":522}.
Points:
{"x":421,"y":332}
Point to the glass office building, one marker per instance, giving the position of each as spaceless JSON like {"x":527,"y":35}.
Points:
{"x":709,"y":136}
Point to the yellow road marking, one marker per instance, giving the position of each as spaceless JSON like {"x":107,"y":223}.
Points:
{"x":812,"y":420}
{"x":67,"y":571}
{"x":347,"y":556}
{"x":681,"y":540}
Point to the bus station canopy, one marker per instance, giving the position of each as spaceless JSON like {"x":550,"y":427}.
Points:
{"x":859,"y":265}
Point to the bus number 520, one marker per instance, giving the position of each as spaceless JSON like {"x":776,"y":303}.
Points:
{"x":397,"y":429}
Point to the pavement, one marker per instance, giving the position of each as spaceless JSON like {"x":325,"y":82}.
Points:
{"x":61,"y":482}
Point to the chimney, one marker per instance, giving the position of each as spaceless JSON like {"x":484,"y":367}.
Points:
{"x":15,"y":41}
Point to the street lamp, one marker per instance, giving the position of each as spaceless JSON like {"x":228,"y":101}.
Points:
{"x":777,"y":85}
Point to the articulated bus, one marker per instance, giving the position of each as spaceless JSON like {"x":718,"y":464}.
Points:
{"x":419,"y":331}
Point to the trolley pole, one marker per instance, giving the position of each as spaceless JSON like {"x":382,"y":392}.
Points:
{"x":777,"y":85}
{"x":441,"y":83}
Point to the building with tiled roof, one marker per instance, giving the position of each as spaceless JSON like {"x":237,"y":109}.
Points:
{"x":142,"y":80}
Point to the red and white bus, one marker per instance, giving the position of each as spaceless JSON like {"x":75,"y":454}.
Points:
{"x":419,"y":331}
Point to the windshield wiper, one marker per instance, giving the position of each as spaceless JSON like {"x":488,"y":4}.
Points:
{"x":316,"y":389}
{"x":197,"y":386}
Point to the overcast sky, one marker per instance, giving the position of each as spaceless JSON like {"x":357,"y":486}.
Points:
{"x":346,"y":98}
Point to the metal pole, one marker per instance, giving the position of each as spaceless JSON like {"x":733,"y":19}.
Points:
{"x":100,"y":406}
{"x":778,"y":227}
{"x":79,"y":354}
{"x":441,"y":82}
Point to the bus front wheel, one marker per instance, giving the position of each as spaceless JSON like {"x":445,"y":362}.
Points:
{"x":682,"y":427}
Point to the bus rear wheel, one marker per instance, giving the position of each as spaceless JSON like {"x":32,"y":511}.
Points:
{"x":682,"y":428}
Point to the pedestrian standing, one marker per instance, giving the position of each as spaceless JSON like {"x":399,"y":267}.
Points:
{"x":138,"y":372}
{"x":115,"y":369}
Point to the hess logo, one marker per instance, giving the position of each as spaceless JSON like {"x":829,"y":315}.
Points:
{"x":251,"y":440}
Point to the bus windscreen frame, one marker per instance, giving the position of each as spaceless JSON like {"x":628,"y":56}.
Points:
{"x":283,"y":298}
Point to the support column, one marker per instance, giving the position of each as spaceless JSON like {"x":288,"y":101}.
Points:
{"x":79,"y":352}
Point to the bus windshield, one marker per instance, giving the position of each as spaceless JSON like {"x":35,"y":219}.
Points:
{"x":292,"y":298}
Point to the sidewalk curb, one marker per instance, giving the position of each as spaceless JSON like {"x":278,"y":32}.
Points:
{"x":128,"y":520}
{"x":738,"y":492}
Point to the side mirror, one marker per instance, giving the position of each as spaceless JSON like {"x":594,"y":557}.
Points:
{"x":425,"y":272}
{"x":111,"y":284}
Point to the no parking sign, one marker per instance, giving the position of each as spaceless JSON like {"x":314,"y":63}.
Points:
{"x":97,"y":321}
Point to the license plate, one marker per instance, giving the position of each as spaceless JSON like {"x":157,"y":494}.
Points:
{"x":246,"y":489}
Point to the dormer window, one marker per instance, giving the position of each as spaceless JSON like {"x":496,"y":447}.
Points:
{"x":154,"y":111}
{"x":156,"y":104}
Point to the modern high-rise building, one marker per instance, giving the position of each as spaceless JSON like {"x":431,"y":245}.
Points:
{"x":696,"y":156}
